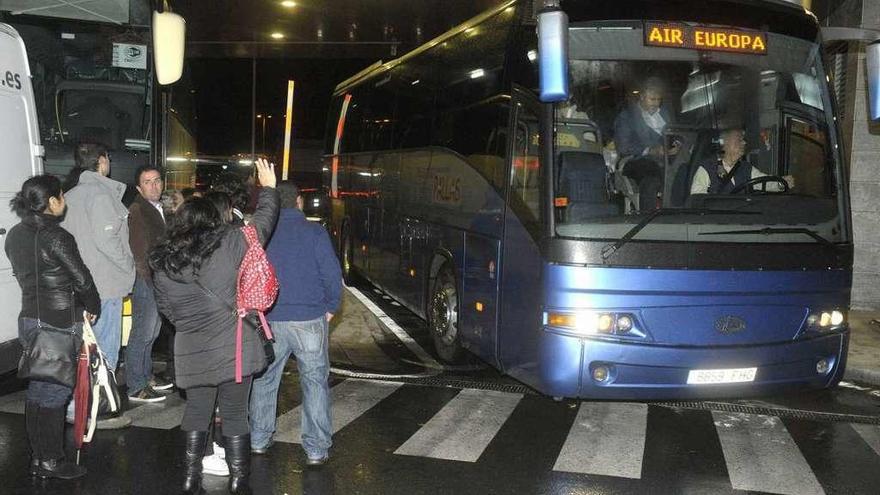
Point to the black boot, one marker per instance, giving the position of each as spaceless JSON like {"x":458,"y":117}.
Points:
{"x":238,"y":458}
{"x":32,"y":422}
{"x":195,"y":450}
{"x":52,"y":463}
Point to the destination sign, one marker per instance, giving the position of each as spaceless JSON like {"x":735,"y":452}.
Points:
{"x":676,"y":35}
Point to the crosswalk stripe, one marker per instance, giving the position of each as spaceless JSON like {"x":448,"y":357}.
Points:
{"x":870,"y":434}
{"x":761,"y":455}
{"x":348,"y":400}
{"x":606,"y":439}
{"x":163,"y":415}
{"x":464,"y":427}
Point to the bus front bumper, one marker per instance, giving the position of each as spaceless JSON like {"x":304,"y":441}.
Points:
{"x":632,"y":370}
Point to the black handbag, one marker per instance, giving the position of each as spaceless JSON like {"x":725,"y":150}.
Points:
{"x":50,"y":354}
{"x":268,"y":344}
{"x":268,"y":347}
{"x":104,"y":387}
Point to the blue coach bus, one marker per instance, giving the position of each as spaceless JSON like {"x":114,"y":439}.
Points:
{"x":514,"y":227}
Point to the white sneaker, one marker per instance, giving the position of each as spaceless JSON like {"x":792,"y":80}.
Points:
{"x":213,"y":464}
{"x":219,"y":451}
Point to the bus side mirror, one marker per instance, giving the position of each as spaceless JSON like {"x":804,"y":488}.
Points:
{"x":553,"y":54}
{"x":872,"y":60}
{"x":169,"y":40}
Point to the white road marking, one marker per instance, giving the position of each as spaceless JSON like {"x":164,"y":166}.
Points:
{"x":607,"y":438}
{"x":761,"y":456}
{"x":399,"y":332}
{"x":348,"y":400}
{"x":870,"y":434}
{"x":462,"y":430}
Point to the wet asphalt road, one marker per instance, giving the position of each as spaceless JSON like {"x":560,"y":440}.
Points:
{"x":468,"y":429}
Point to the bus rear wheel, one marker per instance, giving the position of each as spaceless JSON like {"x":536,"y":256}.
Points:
{"x":443,"y":316}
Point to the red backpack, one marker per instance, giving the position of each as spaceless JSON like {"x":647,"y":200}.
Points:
{"x":257,"y":289}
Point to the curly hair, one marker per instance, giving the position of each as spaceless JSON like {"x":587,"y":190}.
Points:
{"x":194,"y":233}
{"x":232,"y":185}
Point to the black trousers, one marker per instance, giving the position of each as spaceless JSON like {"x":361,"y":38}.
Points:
{"x":233,"y":400}
{"x":649,"y":177}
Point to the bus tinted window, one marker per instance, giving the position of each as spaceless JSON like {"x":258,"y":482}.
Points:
{"x":525,"y":191}
{"x":479,"y":134}
{"x":415,"y":102}
{"x":471,"y":64}
{"x":355,"y":133}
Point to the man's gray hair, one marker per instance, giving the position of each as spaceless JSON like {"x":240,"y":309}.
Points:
{"x":288,"y":192}
{"x":653,"y":83}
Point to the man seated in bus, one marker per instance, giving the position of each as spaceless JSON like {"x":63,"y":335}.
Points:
{"x":731,"y":169}
{"x":638,"y":134}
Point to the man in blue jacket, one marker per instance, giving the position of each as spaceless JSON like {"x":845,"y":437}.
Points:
{"x":311,"y":288}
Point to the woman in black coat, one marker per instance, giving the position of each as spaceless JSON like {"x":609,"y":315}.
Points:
{"x":196,"y":265}
{"x":55,"y":288}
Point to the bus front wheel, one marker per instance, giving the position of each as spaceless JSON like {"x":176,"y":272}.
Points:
{"x":443,"y":316}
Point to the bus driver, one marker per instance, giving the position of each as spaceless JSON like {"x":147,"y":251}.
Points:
{"x":732,"y":169}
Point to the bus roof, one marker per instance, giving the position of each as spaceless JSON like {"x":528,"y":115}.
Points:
{"x":790,"y":18}
{"x":380,"y":67}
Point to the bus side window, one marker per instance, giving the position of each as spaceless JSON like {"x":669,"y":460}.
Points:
{"x":525,"y":181}
{"x":808,"y":158}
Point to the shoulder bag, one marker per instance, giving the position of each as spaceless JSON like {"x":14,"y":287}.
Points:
{"x":50,"y":354}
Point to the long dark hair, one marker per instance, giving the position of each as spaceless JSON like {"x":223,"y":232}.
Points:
{"x":231,"y":184}
{"x":34,"y":195}
{"x":193,"y":234}
{"x":223,"y":204}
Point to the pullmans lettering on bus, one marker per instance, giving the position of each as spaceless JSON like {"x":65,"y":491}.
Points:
{"x":705,"y":38}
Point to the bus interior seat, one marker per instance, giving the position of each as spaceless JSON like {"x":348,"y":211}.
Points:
{"x":627,"y":187}
{"x":582,"y":179}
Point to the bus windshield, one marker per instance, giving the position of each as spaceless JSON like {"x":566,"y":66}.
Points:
{"x":651,"y":127}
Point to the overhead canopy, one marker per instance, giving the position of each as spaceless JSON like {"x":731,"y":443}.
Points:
{"x":112,"y":11}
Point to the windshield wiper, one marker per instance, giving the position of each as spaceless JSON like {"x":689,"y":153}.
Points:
{"x":610,"y":249}
{"x":777,"y":230}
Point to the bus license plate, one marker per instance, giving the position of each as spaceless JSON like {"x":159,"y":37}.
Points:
{"x":739,"y":375}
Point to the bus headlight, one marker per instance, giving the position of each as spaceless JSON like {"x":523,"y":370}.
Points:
{"x":826,"y":320}
{"x":594,"y":322}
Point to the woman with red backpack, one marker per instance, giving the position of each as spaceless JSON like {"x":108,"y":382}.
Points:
{"x":196,"y":273}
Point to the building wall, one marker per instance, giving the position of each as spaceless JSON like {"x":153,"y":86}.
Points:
{"x":862,"y":150}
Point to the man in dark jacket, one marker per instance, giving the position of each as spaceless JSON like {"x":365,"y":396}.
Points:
{"x":311,"y":287}
{"x":146,"y":226}
{"x":638,"y":134}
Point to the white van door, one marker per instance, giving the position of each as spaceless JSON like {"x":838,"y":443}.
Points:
{"x":20,"y":158}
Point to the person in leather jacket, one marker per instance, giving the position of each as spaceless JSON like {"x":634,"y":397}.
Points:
{"x":56,"y":287}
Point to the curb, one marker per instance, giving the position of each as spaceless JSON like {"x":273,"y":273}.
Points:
{"x":862,"y":375}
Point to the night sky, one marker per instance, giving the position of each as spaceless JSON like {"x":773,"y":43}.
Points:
{"x":223,"y":100}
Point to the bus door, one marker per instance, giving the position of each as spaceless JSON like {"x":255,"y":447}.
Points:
{"x":386,"y":257}
{"x":362,"y":212}
{"x":413,"y":231}
{"x":521,"y":267}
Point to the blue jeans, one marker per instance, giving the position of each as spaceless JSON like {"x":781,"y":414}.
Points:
{"x":108,"y":330}
{"x":145,"y":325}
{"x":308,"y":341}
